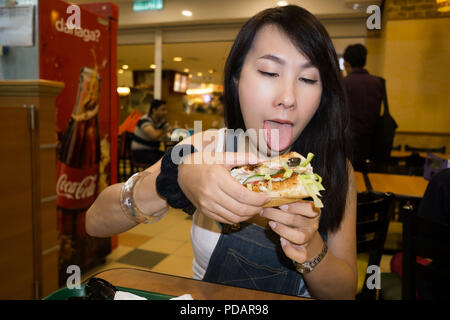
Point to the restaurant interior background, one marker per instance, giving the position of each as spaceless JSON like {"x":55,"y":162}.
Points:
{"x":411,"y":51}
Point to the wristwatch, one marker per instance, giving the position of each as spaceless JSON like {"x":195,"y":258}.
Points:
{"x":309,"y":265}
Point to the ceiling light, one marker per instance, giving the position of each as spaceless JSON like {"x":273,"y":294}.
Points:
{"x":199,"y":91}
{"x":186,"y":70}
{"x":211,"y":71}
{"x":186,"y":13}
{"x":123,"y":91}
{"x":282,"y":3}
{"x":120,"y":71}
{"x":190,"y":76}
{"x":177,"y":59}
{"x":125,"y":67}
{"x":152,"y":66}
{"x":199,"y":74}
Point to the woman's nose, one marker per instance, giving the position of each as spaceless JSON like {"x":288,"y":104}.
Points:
{"x":286,"y":97}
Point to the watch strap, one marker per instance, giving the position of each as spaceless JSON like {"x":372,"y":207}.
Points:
{"x":309,"y":265}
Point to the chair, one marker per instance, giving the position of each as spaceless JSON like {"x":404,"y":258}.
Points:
{"x":127,"y":166}
{"x":124,"y":155}
{"x":414,"y":149}
{"x":405,"y":203}
{"x":412,"y":165}
{"x":136,"y":166}
{"x":426,"y":239}
{"x":374,"y":211}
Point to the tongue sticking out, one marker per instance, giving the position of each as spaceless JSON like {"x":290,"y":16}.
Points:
{"x":278,"y":135}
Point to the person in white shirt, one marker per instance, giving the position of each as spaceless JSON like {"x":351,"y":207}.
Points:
{"x":148,"y":134}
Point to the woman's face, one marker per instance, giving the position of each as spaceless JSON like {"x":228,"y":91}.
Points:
{"x":279,"y":90}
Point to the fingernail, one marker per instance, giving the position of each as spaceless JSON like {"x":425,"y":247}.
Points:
{"x":272,"y":224}
{"x":261,"y":212}
{"x":283,"y":241}
{"x":284,"y":207}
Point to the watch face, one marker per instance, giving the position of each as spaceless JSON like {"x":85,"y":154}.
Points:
{"x":303,"y":268}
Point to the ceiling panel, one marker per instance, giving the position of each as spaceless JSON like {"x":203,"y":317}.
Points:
{"x":198,"y":57}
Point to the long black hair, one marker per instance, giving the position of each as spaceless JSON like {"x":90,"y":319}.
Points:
{"x":327,"y":134}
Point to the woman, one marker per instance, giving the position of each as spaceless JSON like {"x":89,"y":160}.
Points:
{"x":281,"y":76}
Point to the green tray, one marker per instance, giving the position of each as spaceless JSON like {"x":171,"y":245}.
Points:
{"x":65,"y":293}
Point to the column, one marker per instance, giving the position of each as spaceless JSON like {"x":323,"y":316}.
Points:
{"x":158,"y":63}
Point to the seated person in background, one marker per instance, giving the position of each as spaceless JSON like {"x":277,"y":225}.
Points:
{"x":149,"y":132}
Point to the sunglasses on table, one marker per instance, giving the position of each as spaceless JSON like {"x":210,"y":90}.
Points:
{"x":97,"y":289}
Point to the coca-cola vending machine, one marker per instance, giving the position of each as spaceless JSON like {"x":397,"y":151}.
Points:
{"x":81,"y":54}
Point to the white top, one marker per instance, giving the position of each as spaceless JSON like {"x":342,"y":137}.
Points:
{"x":205,"y":231}
{"x":205,"y":234}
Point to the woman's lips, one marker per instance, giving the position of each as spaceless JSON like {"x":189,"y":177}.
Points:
{"x":282,"y":121}
{"x":278,"y":133}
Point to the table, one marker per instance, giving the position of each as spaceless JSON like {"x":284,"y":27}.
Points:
{"x":398,"y":184}
{"x":395,"y":153}
{"x":177,"y":286}
{"x":359,"y":181}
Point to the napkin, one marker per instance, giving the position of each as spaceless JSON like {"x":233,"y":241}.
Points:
{"x":122,"y":295}
{"x":185,"y":296}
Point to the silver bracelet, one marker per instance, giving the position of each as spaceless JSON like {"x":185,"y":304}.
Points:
{"x":128,"y":205}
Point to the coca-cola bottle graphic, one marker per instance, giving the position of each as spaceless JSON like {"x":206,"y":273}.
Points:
{"x":77,"y":175}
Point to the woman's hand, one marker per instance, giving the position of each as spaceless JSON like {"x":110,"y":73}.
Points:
{"x":206,"y":181}
{"x":297,"y":224}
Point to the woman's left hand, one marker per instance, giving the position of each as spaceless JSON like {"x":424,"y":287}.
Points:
{"x":297,"y":225}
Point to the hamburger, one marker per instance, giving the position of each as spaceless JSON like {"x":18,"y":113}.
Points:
{"x":286,"y":179}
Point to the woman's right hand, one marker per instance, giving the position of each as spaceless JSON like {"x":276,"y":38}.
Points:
{"x":210,"y":187}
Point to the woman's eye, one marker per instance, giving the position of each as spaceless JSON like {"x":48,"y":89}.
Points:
{"x":268,"y":74}
{"x":308,"y":81}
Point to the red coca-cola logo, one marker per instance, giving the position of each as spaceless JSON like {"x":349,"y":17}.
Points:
{"x":75,"y":190}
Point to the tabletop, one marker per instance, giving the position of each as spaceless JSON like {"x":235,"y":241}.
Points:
{"x":398,"y":184}
{"x":395,"y":154}
{"x":359,"y":181}
{"x":177,"y":286}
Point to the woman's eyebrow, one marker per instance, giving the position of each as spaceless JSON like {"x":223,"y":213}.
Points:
{"x":305,"y":65}
{"x":273,"y":58}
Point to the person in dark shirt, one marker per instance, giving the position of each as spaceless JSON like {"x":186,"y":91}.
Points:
{"x":435,"y":206}
{"x":148,"y":134}
{"x":365,"y":94}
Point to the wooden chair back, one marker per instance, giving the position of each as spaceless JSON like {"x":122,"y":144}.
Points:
{"x":374,"y":211}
